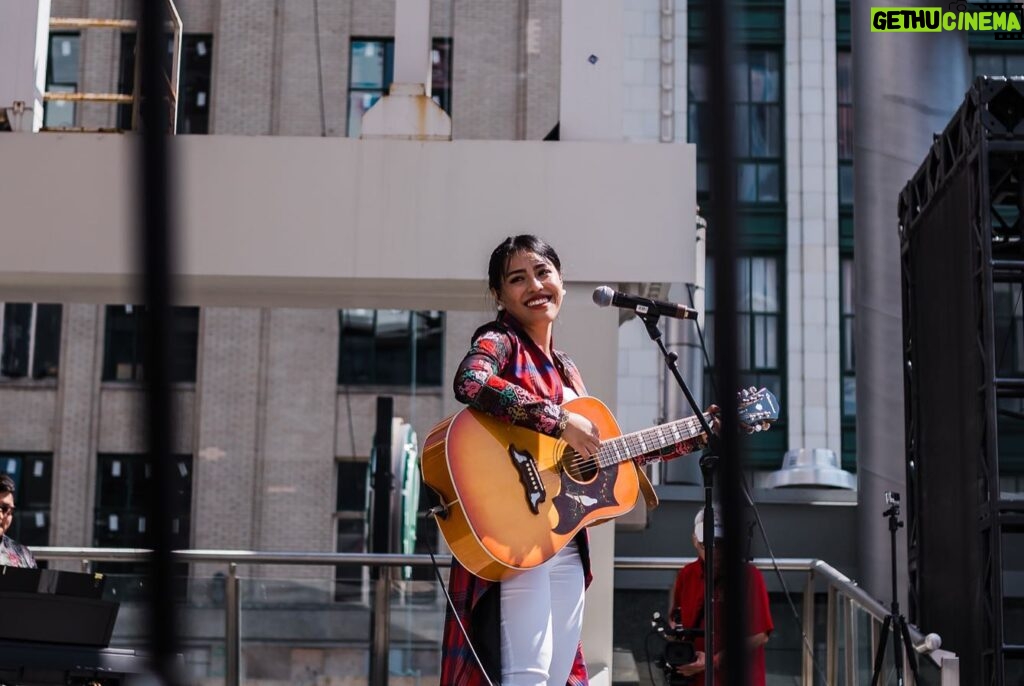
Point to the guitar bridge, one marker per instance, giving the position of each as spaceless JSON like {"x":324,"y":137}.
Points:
{"x":529,"y":477}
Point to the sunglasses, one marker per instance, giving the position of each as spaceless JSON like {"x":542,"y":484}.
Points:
{"x":6,"y":510}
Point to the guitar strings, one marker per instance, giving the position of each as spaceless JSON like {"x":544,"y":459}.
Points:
{"x":631,"y":440}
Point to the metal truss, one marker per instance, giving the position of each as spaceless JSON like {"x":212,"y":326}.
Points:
{"x":985,"y":140}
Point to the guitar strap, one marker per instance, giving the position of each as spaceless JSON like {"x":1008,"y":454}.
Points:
{"x":650,"y":497}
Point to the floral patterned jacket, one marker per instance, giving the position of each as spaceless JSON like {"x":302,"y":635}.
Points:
{"x":14,"y":554}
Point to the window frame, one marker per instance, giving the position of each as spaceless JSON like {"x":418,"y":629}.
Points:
{"x":178,"y":315}
{"x":25,"y":507}
{"x":33,"y":341}
{"x":416,"y":348}
{"x":54,"y":86}
{"x":764,"y":452}
{"x":190,"y":77}
{"x":697,"y":111}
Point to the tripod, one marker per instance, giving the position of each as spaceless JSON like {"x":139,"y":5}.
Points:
{"x":894,"y":621}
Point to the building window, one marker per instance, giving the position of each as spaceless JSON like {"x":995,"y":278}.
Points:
{"x":30,"y":346}
{"x":848,"y":360}
{"x":352,"y":527}
{"x":844,"y":128}
{"x":847,"y":340}
{"x":123,"y":349}
{"x":193,"y":81}
{"x":758,"y":121}
{"x":33,"y":483}
{"x":759,"y":327}
{"x":997,"y":64}
{"x":61,"y":77}
{"x":123,"y":482}
{"x":371,"y":69}
{"x":391,"y":347}
{"x":761,"y":346}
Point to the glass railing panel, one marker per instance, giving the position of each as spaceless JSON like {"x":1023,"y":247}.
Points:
{"x":294,"y":631}
{"x":841,"y":637}
{"x":298,"y":631}
{"x":417,"y":623}
{"x":930,"y":673}
{"x":200,"y":614}
{"x":640,"y":650}
{"x":863,"y":646}
{"x":637,"y":646}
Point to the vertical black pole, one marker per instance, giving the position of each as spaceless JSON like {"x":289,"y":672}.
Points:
{"x":722,"y":241}
{"x":708,"y":463}
{"x":382,"y":483}
{"x":156,"y":260}
{"x":897,"y":619}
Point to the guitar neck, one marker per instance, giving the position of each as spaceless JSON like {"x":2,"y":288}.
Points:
{"x":632,"y":445}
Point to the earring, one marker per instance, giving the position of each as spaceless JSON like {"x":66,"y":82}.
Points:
{"x":500,"y":307}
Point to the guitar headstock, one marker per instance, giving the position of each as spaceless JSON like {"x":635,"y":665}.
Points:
{"x":757,"y":408}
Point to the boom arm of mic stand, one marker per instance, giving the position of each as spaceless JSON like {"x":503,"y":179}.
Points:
{"x":707,"y":468}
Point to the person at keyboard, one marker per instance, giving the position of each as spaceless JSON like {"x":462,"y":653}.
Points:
{"x":12,"y":553}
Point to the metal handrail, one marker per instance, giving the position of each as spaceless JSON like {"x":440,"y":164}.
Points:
{"x":843,"y":593}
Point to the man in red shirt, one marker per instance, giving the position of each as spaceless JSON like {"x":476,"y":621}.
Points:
{"x":688,"y":598}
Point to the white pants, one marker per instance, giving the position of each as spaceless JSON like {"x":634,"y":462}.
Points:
{"x":541,"y":619}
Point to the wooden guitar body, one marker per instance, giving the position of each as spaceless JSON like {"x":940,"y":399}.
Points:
{"x":515,"y":497}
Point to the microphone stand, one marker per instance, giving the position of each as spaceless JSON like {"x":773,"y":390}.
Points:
{"x":708,"y":464}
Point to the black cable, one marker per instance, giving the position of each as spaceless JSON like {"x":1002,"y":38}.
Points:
{"x":757,"y":518}
{"x":434,"y":511}
{"x":785,"y":588}
{"x":647,"y":653}
{"x":690,"y":287}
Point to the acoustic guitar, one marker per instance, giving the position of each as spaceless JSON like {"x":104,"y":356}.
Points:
{"x":511,"y":497}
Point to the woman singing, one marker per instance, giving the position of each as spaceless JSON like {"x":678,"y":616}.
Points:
{"x":525,"y":629}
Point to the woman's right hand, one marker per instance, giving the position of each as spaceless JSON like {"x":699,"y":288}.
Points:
{"x":582,"y":435}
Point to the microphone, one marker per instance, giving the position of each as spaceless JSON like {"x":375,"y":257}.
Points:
{"x":605,"y":296}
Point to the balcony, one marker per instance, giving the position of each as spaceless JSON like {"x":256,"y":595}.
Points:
{"x":304,"y":618}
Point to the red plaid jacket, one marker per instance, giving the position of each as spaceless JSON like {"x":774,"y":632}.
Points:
{"x":507,"y":375}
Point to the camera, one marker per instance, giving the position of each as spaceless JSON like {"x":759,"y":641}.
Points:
{"x":892,"y":498}
{"x":679,"y":649}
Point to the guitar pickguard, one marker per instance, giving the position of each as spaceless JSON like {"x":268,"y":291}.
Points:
{"x":576,"y":500}
{"x":533,"y":487}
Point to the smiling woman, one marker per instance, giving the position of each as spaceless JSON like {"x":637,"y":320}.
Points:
{"x":525,"y":630}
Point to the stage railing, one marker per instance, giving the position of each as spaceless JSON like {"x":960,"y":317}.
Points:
{"x":853,"y":618}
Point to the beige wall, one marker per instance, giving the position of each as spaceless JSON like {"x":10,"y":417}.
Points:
{"x":328,"y":222}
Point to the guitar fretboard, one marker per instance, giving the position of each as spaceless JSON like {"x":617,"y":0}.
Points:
{"x":632,"y":445}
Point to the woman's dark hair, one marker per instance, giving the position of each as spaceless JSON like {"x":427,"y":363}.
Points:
{"x":6,"y":484}
{"x":514,"y":245}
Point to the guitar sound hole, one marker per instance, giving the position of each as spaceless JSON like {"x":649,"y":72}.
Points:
{"x":581,"y":469}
